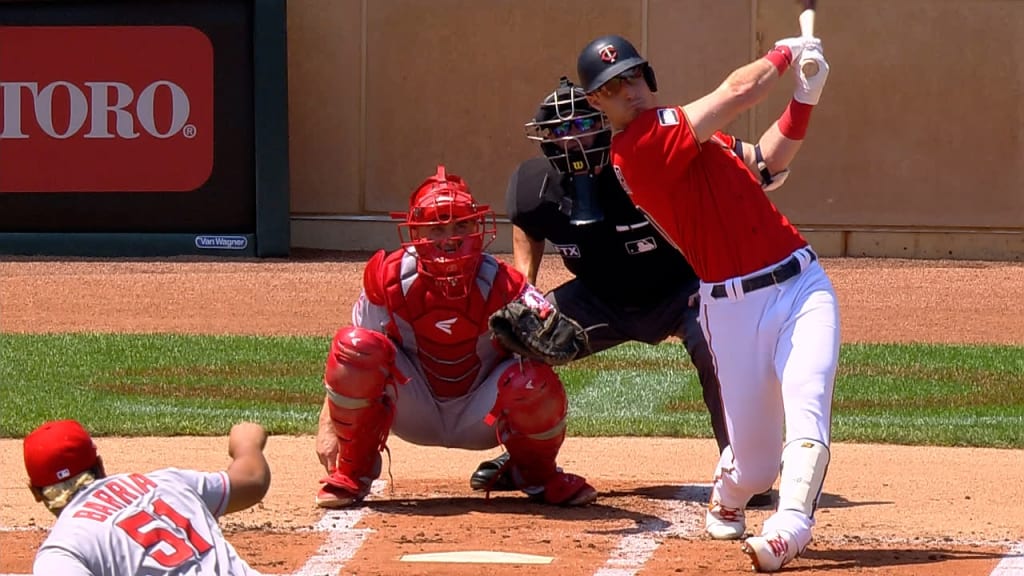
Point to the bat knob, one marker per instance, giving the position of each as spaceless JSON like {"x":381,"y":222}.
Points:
{"x":809,"y":68}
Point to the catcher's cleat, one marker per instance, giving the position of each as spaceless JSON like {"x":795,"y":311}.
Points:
{"x":770,"y":552}
{"x":493,"y":475}
{"x":566,"y":490}
{"x":339,"y":491}
{"x":723,"y":523}
{"x":762,"y":500}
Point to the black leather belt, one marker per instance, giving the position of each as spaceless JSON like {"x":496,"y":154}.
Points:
{"x":777,"y":275}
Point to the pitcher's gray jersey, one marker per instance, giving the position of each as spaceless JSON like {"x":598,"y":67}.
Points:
{"x":162,"y":523}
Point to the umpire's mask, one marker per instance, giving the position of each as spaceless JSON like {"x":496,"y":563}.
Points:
{"x":576,"y":138}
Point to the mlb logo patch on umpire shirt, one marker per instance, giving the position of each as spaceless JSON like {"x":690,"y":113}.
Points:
{"x":642,"y":245}
{"x":668,"y":116}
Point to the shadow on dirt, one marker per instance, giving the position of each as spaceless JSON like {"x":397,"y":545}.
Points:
{"x":853,"y":559}
{"x":602,"y":510}
{"x":701,"y":493}
{"x":837,"y":501}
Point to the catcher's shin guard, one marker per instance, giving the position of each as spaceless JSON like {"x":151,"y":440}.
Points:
{"x":361,"y":382}
{"x":530,"y":414}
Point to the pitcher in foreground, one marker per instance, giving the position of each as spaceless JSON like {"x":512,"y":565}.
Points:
{"x":160,"y":523}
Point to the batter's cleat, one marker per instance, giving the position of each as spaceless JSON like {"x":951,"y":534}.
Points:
{"x":770,"y":552}
{"x":723,"y":523}
{"x":339,"y":491}
{"x":566,"y":490}
{"x":493,"y":475}
{"x":762,"y":500}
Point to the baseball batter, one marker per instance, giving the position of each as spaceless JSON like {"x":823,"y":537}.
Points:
{"x":768,"y":310}
{"x":161,"y":523}
{"x":629,"y":283}
{"x":419,"y":358}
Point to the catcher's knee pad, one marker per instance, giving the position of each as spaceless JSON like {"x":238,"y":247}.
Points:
{"x":361,"y":383}
{"x":804,"y":464}
{"x":529,"y":415}
{"x":360,"y":364}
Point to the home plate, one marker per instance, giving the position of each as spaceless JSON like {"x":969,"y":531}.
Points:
{"x":477,"y":557}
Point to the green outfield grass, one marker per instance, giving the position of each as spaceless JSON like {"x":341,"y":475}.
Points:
{"x":173,"y":385}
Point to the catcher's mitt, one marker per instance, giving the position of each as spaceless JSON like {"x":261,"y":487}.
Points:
{"x":553,"y":338}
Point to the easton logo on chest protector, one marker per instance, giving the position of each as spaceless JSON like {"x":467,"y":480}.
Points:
{"x":446,"y":325}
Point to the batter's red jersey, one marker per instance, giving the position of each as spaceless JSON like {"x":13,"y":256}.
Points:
{"x":701,"y":196}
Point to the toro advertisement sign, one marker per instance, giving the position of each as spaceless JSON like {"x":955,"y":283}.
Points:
{"x":127,"y":123}
{"x":106,"y":109}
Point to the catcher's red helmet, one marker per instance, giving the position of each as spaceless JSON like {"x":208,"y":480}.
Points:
{"x":448,"y":231}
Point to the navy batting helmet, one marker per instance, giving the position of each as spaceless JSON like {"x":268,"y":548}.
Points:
{"x":606,"y":58}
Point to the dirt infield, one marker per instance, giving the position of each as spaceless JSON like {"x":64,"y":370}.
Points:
{"x":886,"y":509}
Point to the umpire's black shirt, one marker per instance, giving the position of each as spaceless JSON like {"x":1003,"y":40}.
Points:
{"x":621,"y":259}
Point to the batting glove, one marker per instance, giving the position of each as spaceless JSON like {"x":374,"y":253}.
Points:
{"x":808,"y":90}
{"x":794,"y":45}
{"x":798,"y":44}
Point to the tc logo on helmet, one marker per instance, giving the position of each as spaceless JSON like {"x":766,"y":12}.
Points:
{"x":608,"y":53}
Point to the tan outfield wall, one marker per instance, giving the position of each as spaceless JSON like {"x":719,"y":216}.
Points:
{"x":916,"y":150}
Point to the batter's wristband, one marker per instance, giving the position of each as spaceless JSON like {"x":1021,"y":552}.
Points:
{"x":794,"y":121}
{"x":780,"y":57}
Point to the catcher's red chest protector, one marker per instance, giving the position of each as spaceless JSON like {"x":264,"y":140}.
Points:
{"x":449,"y":338}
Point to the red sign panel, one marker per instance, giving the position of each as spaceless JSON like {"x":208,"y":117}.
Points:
{"x":105,"y":109}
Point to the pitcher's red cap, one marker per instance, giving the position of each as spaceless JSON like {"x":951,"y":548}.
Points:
{"x":57,"y":451}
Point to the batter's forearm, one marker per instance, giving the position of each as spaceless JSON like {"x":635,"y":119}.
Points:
{"x":777,"y":150}
{"x":742,"y":90}
{"x":750,"y":84}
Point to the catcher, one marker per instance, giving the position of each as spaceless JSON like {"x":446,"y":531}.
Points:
{"x":420,"y":358}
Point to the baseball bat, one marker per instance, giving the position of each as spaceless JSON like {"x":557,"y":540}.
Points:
{"x":808,"y":67}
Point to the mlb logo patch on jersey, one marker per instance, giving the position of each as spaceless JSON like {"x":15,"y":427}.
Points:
{"x":642,"y":245}
{"x":668,"y":116}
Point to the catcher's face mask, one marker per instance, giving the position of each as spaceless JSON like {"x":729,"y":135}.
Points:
{"x":447,"y":231}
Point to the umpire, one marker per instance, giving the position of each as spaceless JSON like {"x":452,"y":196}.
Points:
{"x":630,"y":284}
